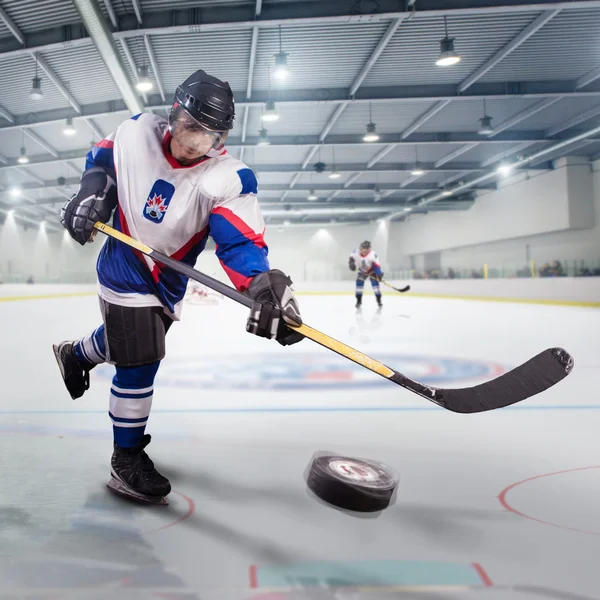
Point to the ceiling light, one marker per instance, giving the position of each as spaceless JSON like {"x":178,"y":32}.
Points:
{"x":504,"y":169}
{"x":448,"y":56}
{"x":407,"y":209}
{"x":377,"y":195}
{"x":270,"y":113}
{"x":281,"y":70}
{"x":312,"y":196}
{"x":486,"y":126}
{"x":286,"y":222}
{"x":371,"y":135}
{"x":23,"y":158}
{"x":69,"y":127}
{"x":15,"y":191}
{"x":446,"y":193}
{"x":263,"y":138}
{"x":144,"y":84}
{"x":417,"y":171}
{"x":335,"y":174}
{"x":36,"y":89}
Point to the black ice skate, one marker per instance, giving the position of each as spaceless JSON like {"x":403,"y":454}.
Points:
{"x":74,"y":374}
{"x":379,"y":303}
{"x":358,"y":301}
{"x":133,"y":475}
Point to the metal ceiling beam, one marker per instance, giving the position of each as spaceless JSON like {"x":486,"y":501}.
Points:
{"x":405,"y":186}
{"x":383,"y":152}
{"x":588,"y":78}
{"x":95,"y":129}
{"x":525,"y":114}
{"x":137,"y":9}
{"x":6,"y":115}
{"x":251,"y":65}
{"x":585,"y":116}
{"x":431,"y":112}
{"x":506,"y":153}
{"x":458,"y":152}
{"x":132,"y":66}
{"x":383,"y":42}
{"x":522,"y":37}
{"x":12,"y":26}
{"x":389,"y":95}
{"x":525,"y":162}
{"x":111,"y":13}
{"x":103,"y":40}
{"x":26,"y":173}
{"x":56,"y":81}
{"x":228,"y":18}
{"x":154,"y":65}
{"x":38,"y":140}
{"x":330,"y":123}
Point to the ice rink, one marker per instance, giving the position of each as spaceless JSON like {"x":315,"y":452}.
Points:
{"x":496,"y":505}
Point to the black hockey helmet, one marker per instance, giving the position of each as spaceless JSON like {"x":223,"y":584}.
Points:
{"x":208,"y":100}
{"x":366,"y":245}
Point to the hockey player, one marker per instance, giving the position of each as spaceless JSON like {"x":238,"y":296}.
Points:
{"x":172,"y":183}
{"x":365,"y":261}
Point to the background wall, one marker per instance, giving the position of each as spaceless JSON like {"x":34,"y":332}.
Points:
{"x":551,"y":216}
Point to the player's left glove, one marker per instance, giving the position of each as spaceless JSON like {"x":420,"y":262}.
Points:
{"x":377,"y":276}
{"x":274,"y":305}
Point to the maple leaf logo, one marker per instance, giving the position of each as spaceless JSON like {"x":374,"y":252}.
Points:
{"x":155,"y":207}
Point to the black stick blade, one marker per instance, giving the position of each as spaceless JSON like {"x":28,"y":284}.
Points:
{"x":536,"y":375}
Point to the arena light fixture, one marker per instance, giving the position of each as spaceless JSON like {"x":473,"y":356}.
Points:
{"x":69,"y":128}
{"x":270,"y":113}
{"x":263,"y":138}
{"x":312,"y":196}
{"x":23,"y":158}
{"x":448,"y":55}
{"x":504,"y":169}
{"x":144,"y":84}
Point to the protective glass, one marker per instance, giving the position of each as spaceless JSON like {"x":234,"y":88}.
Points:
{"x":187,"y":131}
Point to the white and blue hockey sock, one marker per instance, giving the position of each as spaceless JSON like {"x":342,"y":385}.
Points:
{"x":360,"y":285}
{"x":91,"y":349}
{"x":130,"y":403}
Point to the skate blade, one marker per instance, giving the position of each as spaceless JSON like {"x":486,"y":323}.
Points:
{"x":119,"y":488}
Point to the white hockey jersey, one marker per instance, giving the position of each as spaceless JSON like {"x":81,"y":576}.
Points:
{"x":173,"y":208}
{"x":366,"y":264}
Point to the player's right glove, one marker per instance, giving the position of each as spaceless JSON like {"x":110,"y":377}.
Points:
{"x":274,"y":305}
{"x":95,"y":201}
{"x":352,"y":264}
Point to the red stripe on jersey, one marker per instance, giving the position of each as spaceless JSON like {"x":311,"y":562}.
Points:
{"x":244,"y":229}
{"x":105,"y":144}
{"x":240,"y":282}
{"x":196,"y":239}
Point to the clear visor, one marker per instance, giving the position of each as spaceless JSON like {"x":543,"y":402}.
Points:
{"x":188,"y":132}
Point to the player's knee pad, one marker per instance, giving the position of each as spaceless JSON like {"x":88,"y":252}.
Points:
{"x":135,"y":335}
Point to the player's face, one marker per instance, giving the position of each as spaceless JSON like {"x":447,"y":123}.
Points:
{"x":190,"y":139}
{"x":364,"y":251}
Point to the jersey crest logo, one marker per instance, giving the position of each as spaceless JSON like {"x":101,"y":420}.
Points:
{"x":158,"y":200}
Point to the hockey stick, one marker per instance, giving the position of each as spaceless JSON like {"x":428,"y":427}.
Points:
{"x":401,"y":290}
{"x":536,"y":375}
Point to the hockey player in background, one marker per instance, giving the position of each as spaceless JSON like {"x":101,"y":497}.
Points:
{"x":170,"y":182}
{"x":366,"y":263}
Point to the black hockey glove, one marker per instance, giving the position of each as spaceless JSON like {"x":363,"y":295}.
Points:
{"x":274,"y":304}
{"x":377,"y":277}
{"x":95,"y":201}
{"x":351,"y":264}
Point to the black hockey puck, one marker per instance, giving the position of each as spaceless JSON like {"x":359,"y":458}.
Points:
{"x":351,"y":483}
